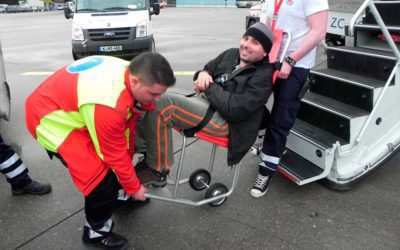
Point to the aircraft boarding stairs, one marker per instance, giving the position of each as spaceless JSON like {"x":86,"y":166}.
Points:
{"x":349,"y":121}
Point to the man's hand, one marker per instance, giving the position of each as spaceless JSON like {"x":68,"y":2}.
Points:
{"x":285,"y":70}
{"x":204,"y":80}
{"x":140,"y":194}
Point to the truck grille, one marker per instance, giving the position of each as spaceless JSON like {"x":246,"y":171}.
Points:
{"x":112,"y":34}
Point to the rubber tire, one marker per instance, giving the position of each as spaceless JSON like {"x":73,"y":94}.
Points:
{"x":198,"y":174}
{"x":75,"y":56}
{"x":215,"y":190}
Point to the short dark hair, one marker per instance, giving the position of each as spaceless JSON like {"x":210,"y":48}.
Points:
{"x":152,"y":68}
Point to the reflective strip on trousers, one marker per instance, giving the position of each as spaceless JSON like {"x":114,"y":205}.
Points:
{"x":98,"y":233}
{"x":10,"y":162}
{"x":269,"y":158}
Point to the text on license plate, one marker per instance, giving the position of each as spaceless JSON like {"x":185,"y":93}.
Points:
{"x":110,"y":48}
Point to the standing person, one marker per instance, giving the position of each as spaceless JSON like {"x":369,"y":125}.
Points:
{"x":11,"y":165}
{"x":306,"y":21}
{"x":16,"y":173}
{"x":234,"y":86}
{"x":85,"y":114}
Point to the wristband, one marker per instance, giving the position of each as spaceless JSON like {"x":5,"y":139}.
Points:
{"x":290,"y":61}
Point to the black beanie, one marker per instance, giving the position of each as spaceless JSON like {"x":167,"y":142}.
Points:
{"x":262,"y":34}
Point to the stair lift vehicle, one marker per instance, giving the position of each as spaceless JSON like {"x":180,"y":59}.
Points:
{"x":200,"y":179}
{"x":349,"y":121}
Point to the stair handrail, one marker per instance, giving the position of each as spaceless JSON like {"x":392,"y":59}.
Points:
{"x":379,"y":20}
{"x":378,"y":101}
{"x":389,"y":40}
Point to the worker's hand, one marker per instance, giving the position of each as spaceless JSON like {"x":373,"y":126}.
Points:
{"x":140,"y":194}
{"x":285,"y":70}
{"x":204,"y":80}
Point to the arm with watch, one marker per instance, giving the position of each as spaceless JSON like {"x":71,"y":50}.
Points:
{"x":316,"y":34}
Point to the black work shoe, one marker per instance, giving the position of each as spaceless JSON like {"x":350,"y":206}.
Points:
{"x":32,"y":188}
{"x":149,"y":176}
{"x":261,"y":185}
{"x":112,"y":241}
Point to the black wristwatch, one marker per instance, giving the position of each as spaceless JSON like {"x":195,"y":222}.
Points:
{"x":290,"y":61}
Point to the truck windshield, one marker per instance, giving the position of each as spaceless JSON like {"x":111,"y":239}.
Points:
{"x":108,"y":6}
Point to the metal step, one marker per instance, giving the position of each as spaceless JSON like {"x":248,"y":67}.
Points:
{"x":315,"y":135}
{"x":345,"y":87}
{"x":365,"y":62}
{"x":389,"y":11}
{"x":298,"y":169}
{"x":371,"y":36}
{"x":333,"y":106}
{"x":330,"y":115}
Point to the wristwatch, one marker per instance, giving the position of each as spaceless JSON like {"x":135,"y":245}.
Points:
{"x":290,"y":61}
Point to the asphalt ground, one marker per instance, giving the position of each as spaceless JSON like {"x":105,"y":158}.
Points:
{"x":288,"y":217}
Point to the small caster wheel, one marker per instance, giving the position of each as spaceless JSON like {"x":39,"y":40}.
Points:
{"x":200,"y":179}
{"x":215,"y":190}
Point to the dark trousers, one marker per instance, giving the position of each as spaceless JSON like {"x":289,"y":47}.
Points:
{"x":283,"y":115}
{"x":100,"y":204}
{"x":10,"y":163}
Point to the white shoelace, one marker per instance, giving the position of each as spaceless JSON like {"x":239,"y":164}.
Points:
{"x":261,"y":181}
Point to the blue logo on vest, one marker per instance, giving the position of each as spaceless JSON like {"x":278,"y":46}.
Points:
{"x":84,"y":64}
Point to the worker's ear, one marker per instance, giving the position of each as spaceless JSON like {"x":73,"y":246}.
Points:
{"x":134,"y":80}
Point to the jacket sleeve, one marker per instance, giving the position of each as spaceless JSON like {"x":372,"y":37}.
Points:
{"x":107,"y":130}
{"x":235,"y":107}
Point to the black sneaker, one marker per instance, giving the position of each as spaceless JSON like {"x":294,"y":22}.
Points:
{"x":34,"y":187}
{"x":261,"y":185}
{"x":149,"y":176}
{"x":112,"y":241}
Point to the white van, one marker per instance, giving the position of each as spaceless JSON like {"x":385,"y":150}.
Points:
{"x":120,"y":28}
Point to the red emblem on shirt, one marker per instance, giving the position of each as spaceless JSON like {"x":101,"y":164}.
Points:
{"x":289,"y":2}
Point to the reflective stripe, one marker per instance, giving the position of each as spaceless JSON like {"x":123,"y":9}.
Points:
{"x":87,"y":112}
{"x":9,"y":162}
{"x":97,"y":233}
{"x":56,"y":126}
{"x":268,"y":158}
{"x":16,"y":171}
{"x":262,"y":164}
{"x":122,"y":196}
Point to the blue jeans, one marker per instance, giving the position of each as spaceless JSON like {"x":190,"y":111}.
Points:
{"x":283,"y":115}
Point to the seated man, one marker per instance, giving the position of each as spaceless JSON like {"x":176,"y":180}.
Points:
{"x":234,"y":87}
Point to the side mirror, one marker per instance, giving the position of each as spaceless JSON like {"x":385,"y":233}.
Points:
{"x":155,"y":9}
{"x":68,"y":11}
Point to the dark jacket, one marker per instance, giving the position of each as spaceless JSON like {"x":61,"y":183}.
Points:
{"x":240,"y":100}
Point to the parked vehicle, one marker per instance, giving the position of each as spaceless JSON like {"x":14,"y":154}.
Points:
{"x":120,"y":28}
{"x":247,"y":3}
{"x":3,"y":8}
{"x":4,"y":91}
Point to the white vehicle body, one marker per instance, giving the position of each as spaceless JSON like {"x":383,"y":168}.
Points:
{"x":4,"y":91}
{"x":335,"y":29}
{"x":120,"y":28}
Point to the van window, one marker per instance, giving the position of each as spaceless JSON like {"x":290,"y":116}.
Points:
{"x":106,"y":6}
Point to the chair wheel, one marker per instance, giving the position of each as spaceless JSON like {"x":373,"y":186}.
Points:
{"x":199,"y":179}
{"x":215,"y":190}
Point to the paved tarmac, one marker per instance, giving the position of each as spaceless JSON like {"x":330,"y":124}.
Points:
{"x":288,"y":217}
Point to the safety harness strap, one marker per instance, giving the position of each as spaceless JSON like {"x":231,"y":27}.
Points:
{"x":190,"y":132}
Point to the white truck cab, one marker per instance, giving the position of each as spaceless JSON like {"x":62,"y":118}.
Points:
{"x":120,"y":28}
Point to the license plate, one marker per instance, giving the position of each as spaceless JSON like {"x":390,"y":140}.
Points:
{"x":110,"y":48}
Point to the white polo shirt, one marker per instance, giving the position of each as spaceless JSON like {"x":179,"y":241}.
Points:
{"x":292,"y":17}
